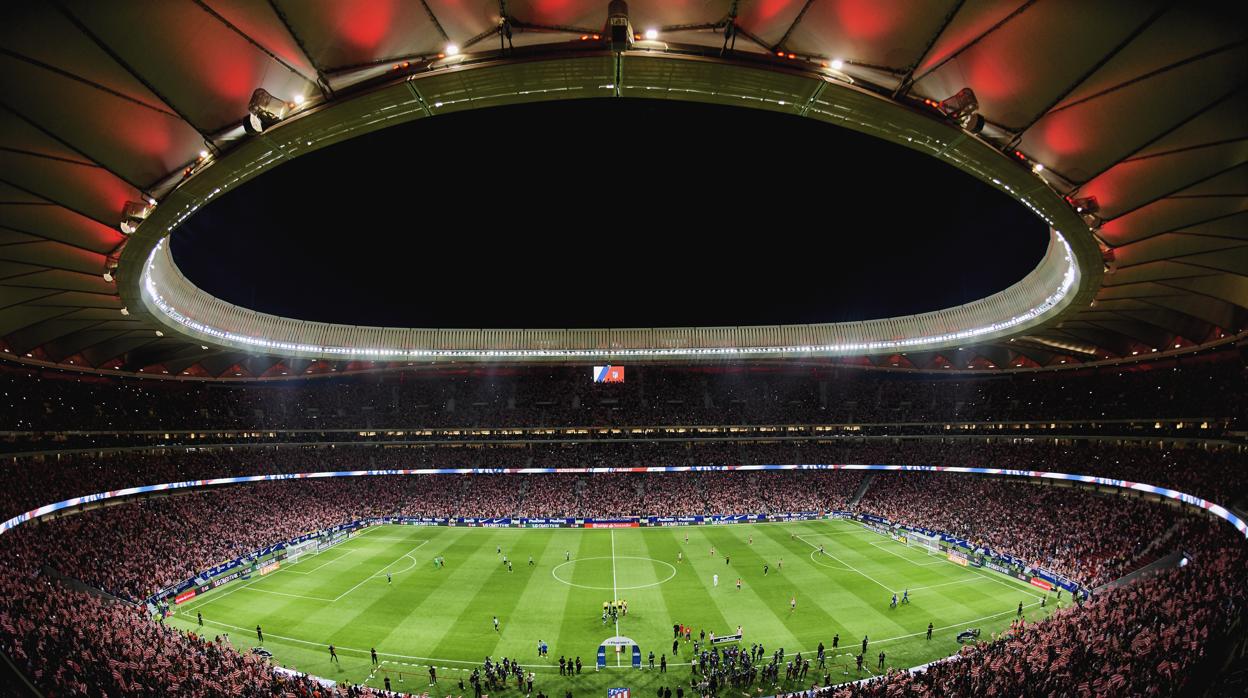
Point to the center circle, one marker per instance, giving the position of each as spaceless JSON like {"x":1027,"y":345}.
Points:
{"x":612,"y":568}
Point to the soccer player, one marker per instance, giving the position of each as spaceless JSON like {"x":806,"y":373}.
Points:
{"x":836,"y":641}
{"x":864,"y":644}
{"x":905,"y":596}
{"x":686,"y":537}
{"x":712,"y":551}
{"x":387,"y":578}
{"x":1020,"y":608}
{"x":765,"y":568}
{"x":680,"y":557}
{"x":859,"y":659}
{"x":333,"y":655}
{"x":498,"y":549}
{"x":780,"y":564}
{"x":651,"y":659}
{"x":662,"y":663}
{"x":530,"y":561}
{"x":929,"y":631}
{"x":751,"y":539}
{"x":881,"y":660}
{"x":567,"y":555}
{"x":505,"y":560}
{"x":373,"y":652}
{"x":495,"y":623}
{"x":715,"y":577}
{"x":893,"y":603}
{"x":792,"y":604}
{"x":675,"y":647}
{"x":433,"y":675}
{"x":508,"y":566}
{"x":259,"y":634}
{"x":200,"y":617}
{"x":738,"y":584}
{"x":604,"y":617}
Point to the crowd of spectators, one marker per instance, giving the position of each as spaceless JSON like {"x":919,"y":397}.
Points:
{"x":56,"y":401}
{"x":1214,"y":474}
{"x":1073,"y":532}
{"x":135,"y":548}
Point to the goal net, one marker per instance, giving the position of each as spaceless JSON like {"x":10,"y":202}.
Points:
{"x":929,"y":544}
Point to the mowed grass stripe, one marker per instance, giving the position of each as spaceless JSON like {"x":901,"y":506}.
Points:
{"x":763,"y":600}
{"x":445,"y":614}
{"x":538,"y":602}
{"x":582,"y":608}
{"x":856,"y":604}
{"x":495,"y":593}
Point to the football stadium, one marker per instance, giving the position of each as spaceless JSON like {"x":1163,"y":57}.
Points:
{"x":601,"y":349}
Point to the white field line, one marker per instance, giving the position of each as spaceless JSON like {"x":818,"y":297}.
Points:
{"x":884,"y":546}
{"x":297,"y":596}
{"x":383,"y":569}
{"x":851,"y":567}
{"x":989,"y":577}
{"x":1016,"y":587}
{"x":615,"y":593}
{"x":330,"y":562}
{"x":968,"y":580}
{"x":284,"y":568}
{"x":815,"y":552}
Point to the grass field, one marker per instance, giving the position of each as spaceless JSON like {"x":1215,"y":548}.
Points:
{"x":443,"y":617}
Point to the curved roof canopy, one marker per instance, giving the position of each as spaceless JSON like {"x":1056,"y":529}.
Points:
{"x":1141,"y":105}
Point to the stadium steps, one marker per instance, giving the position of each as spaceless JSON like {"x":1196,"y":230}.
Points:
{"x":862,"y":489}
{"x":1167,"y":562}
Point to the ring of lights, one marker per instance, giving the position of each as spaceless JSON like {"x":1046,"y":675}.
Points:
{"x":1066,"y":277}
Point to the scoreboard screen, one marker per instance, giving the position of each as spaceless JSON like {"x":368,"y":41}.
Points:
{"x":608,"y":374}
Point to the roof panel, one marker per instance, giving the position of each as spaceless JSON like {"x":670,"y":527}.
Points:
{"x":1090,"y":136}
{"x":199,"y":66}
{"x":340,"y":33}
{"x":891,"y":33}
{"x":1027,"y":62}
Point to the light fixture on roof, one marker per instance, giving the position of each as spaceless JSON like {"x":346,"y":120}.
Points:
{"x":652,"y":34}
{"x":451,"y":50}
{"x":298,"y":100}
{"x":836,"y":64}
{"x":263,"y":111}
{"x":1085,"y":206}
{"x":1037,"y":168}
{"x":125,"y":311}
{"x":619,"y":28}
{"x":134,"y":213}
{"x":963,"y":108}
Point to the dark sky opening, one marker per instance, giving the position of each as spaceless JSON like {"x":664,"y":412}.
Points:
{"x":609,"y":213}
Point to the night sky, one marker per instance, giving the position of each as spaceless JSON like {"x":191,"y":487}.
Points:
{"x":609,"y":213}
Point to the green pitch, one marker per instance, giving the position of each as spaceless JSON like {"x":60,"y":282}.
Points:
{"x":444,"y":616}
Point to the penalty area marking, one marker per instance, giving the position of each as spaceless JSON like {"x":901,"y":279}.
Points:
{"x":814,"y":557}
{"x":554,"y":573}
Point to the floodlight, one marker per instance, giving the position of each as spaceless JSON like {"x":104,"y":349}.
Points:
{"x":618,"y":27}
{"x":134,"y":213}
{"x":837,"y":64}
{"x":963,"y":108}
{"x":263,"y":111}
{"x":652,"y":34}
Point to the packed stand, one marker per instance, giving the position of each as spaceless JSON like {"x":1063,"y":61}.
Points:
{"x":35,"y":401}
{"x":29,"y":482}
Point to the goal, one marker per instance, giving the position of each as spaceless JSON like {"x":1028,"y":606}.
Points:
{"x":929,"y":544}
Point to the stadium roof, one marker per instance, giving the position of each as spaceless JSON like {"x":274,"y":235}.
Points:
{"x":1142,"y":105}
